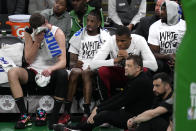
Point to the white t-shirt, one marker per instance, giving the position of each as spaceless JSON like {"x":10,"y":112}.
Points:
{"x":138,"y":46}
{"x":86,"y":46}
{"x":167,"y":37}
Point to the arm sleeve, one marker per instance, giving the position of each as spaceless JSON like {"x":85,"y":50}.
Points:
{"x":102,"y":54}
{"x":73,"y":50}
{"x":168,"y":104}
{"x":149,"y":60}
{"x":74,"y":44}
{"x":153,"y":35}
{"x":141,"y":13}
{"x":112,"y":12}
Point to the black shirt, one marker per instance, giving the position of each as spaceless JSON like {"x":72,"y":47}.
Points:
{"x":167,"y":103}
{"x":144,"y":25}
{"x":136,"y":97}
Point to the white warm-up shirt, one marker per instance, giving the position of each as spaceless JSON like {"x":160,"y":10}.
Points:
{"x":86,"y":46}
{"x":138,"y":46}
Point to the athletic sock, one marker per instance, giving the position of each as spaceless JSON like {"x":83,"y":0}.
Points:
{"x":86,"y":109}
{"x":21,"y":105}
{"x":68,"y":106}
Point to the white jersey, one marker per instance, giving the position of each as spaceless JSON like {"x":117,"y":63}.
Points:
{"x":166,"y":37}
{"x":43,"y":59}
{"x":138,"y":46}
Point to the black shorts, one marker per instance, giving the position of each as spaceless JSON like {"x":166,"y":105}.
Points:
{"x":57,"y":86}
{"x":33,"y":88}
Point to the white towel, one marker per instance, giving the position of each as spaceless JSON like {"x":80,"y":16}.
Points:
{"x":41,"y":80}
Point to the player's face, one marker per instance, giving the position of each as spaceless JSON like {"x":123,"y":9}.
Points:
{"x":92,"y":23}
{"x":123,"y":42}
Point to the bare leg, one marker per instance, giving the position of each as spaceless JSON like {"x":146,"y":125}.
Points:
{"x":16,"y":77}
{"x":87,"y":90}
{"x":73,"y":80}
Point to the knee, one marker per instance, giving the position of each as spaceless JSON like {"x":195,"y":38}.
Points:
{"x":75,"y":73}
{"x":86,"y":73}
{"x":13,"y":73}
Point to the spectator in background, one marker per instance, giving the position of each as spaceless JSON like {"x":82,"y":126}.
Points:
{"x":158,"y":118}
{"x":79,"y":15}
{"x":126,"y":12}
{"x":145,"y":22}
{"x":11,"y":7}
{"x":36,"y":6}
{"x":119,"y":48}
{"x":59,"y":17}
{"x":165,"y":36}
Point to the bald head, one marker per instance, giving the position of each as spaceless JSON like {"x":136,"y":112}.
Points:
{"x":158,"y":7}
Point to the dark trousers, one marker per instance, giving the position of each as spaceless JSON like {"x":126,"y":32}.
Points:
{"x":156,"y":124}
{"x":116,"y":118}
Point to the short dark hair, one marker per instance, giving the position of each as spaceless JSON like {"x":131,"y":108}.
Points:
{"x":164,"y":77}
{"x":137,"y":60}
{"x":96,"y":13}
{"x":123,"y":30}
{"x":36,"y":20}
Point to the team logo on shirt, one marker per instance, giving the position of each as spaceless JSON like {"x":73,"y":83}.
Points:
{"x":46,"y":103}
{"x":7,"y":102}
{"x":169,"y":42}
